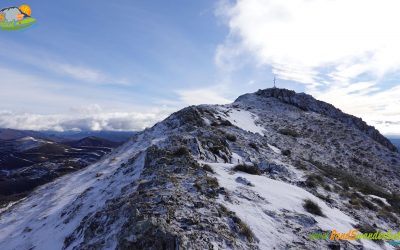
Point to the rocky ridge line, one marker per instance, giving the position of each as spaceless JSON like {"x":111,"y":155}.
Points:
{"x":308,"y":103}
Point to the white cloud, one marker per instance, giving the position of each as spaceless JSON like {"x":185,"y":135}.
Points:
{"x":54,"y":64}
{"x":29,"y":102}
{"x":83,"y":120}
{"x":341,"y":50}
{"x":85,"y":74}
{"x":23,"y":91}
{"x":304,"y":35}
{"x":380,"y":109}
{"x":81,"y":73}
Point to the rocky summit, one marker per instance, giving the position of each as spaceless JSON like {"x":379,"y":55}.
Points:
{"x":264,"y":172}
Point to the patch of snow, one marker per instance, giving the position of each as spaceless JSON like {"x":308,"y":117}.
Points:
{"x":278,"y":197}
{"x":29,"y":142}
{"x":237,"y":159}
{"x":275,"y":149}
{"x":8,"y":206}
{"x":206,"y":121}
{"x":157,"y":140}
{"x":243,"y":119}
{"x":380,"y":198}
{"x":28,"y":138}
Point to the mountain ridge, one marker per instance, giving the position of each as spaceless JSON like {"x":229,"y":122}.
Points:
{"x":219,"y":177}
{"x":309,"y":103}
{"x":13,"y":134}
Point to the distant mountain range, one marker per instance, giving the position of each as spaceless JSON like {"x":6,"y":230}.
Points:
{"x":29,"y":158}
{"x":116,"y":136}
{"x":396,"y":142}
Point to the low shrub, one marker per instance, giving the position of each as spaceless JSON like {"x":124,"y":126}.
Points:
{"x":223,"y":210}
{"x":208,"y":186}
{"x":208,"y":168}
{"x":314,"y":180}
{"x":300,"y":165}
{"x":326,"y":198}
{"x":212,"y":182}
{"x":214,"y":124}
{"x":347,"y":180}
{"x":356,"y":202}
{"x":231,"y":137}
{"x":246,"y":231}
{"x":365,"y":228}
{"x":243,"y":228}
{"x":368,"y":229}
{"x":181,"y":151}
{"x":328,"y":188}
{"x":250,"y":169}
{"x":313,"y":208}
{"x":334,"y":246}
{"x":289,"y":132}
{"x":387,"y":215}
{"x":215,"y":149}
{"x":226,"y":123}
{"x":378,"y":201}
{"x":394,"y":201}
{"x":253,"y":145}
{"x":369,"y":205}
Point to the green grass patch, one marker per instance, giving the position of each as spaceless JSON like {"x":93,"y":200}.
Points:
{"x":25,"y":23}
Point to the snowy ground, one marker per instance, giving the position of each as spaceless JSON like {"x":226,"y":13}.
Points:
{"x":242,"y":119}
{"x":28,"y":142}
{"x":262,"y":204}
{"x":48,"y":216}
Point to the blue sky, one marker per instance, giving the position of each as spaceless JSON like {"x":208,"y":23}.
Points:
{"x":132,"y":51}
{"x":127,"y":64}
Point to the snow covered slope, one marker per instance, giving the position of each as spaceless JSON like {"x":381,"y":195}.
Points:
{"x":234,"y":176}
{"x":57,"y":209}
{"x":29,"y":142}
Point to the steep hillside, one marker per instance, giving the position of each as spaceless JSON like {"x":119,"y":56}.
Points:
{"x":261,"y":173}
{"x":28,"y":162}
{"x":93,"y":141}
{"x":114,"y":136}
{"x":13,"y":134}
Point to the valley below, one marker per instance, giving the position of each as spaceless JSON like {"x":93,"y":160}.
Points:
{"x":27,"y":162}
